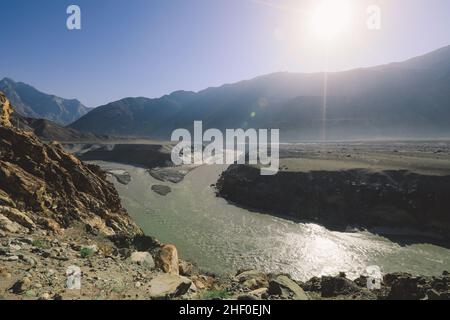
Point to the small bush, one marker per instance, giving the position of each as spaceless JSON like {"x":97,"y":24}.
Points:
{"x":86,"y":252}
{"x":215,"y":294}
{"x":42,"y":244}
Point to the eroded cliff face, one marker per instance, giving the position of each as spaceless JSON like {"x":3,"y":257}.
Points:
{"x":337,"y":199}
{"x":6,"y":111}
{"x":43,"y":187}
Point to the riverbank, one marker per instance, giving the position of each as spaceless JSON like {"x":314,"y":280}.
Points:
{"x":352,"y":187}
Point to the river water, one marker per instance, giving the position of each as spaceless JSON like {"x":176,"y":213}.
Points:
{"x":222,"y":238}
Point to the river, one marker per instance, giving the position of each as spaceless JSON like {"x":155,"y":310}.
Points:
{"x":222,"y":238}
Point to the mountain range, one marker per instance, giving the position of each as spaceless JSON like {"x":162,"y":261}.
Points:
{"x":32,"y":103}
{"x":409,"y":99}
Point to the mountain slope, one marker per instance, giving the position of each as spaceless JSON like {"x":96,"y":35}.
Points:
{"x":134,"y":116}
{"x":43,"y":187}
{"x":30,"y":102}
{"x":50,"y":131}
{"x":400,"y":100}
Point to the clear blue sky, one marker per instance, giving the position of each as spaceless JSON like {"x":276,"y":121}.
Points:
{"x":153,"y":47}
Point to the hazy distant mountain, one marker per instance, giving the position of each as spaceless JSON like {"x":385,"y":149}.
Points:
{"x":30,"y":102}
{"x":410,"y":99}
{"x":50,"y":131}
{"x":134,"y":116}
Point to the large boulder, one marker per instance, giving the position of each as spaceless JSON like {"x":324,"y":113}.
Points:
{"x":143,"y":258}
{"x":167,"y":259}
{"x":286,"y":288}
{"x":167,"y":286}
{"x":407,"y":288}
{"x":336,"y":286}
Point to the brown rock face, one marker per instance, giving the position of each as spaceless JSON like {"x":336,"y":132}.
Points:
{"x":167,"y":259}
{"x":6,"y":111}
{"x":41,"y":186}
{"x":336,"y":199}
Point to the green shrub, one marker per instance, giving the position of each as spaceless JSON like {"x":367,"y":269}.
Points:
{"x":86,"y":252}
{"x":42,"y":244}
{"x":215,"y":294}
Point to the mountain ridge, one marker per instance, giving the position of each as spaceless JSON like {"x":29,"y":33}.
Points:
{"x":32,"y":103}
{"x":399,"y":100}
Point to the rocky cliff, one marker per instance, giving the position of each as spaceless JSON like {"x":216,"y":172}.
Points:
{"x":341,"y":198}
{"x":6,"y":111}
{"x":43,"y":187}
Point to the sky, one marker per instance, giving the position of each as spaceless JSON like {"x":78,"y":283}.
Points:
{"x":154,"y":47}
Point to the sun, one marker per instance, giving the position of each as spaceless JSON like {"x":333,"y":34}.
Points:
{"x":331,"y":18}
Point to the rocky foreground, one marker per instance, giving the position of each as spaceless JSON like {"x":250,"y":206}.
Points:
{"x":62,"y":224}
{"x":36,"y":267}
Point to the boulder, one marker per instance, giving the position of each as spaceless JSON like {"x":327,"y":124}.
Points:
{"x":28,"y":260}
{"x":4,"y":272}
{"x":143,"y":258}
{"x":286,"y":288}
{"x":186,"y":268}
{"x":167,"y":259}
{"x":161,"y":190}
{"x":314,"y":284}
{"x":174,"y":175}
{"x":406,"y":288}
{"x":121,"y":176}
{"x":259,"y":292}
{"x":336,"y":286}
{"x":246,"y":297}
{"x":21,"y":286}
{"x":252,"y":279}
{"x":45,"y":296}
{"x":202,"y":281}
{"x":168,"y":286}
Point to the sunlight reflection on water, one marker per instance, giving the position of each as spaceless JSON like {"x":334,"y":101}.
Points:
{"x":222,"y":238}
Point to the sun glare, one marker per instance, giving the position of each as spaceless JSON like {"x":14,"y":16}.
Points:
{"x":331,"y":18}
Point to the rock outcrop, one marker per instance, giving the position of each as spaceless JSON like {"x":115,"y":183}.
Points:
{"x":43,"y":187}
{"x":286,"y":288}
{"x":337,"y":199}
{"x":6,"y":111}
{"x":166,"y":286}
{"x":143,"y":258}
{"x":167,"y":259}
{"x":161,"y":189}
